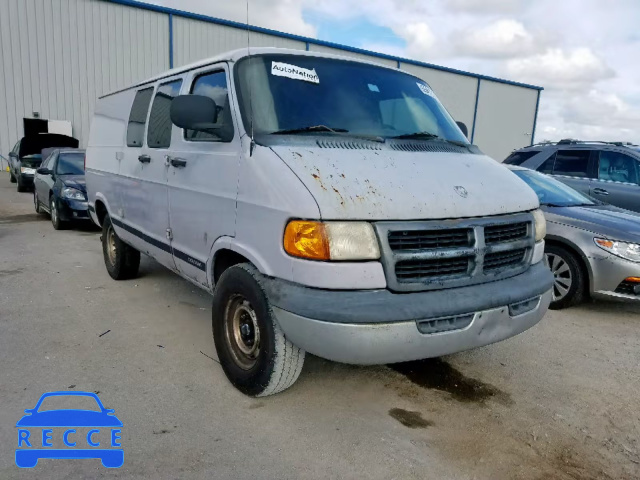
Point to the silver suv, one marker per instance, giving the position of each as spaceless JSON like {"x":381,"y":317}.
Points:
{"x":608,"y":171}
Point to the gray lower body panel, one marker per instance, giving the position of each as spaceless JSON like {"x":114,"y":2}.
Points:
{"x":380,"y":343}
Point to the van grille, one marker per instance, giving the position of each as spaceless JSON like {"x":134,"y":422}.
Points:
{"x":419,"y":269}
{"x":453,"y":253}
{"x":498,"y":260}
{"x":505,"y":233}
{"x":420,"y":239}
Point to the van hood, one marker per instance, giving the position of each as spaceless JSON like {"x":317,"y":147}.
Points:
{"x":394,"y":185}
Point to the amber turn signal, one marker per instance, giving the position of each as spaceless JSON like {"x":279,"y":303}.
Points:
{"x":307,"y":239}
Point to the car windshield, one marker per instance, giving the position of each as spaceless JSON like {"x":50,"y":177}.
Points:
{"x":70,"y":164}
{"x":323,"y":96}
{"x":551,"y":192}
{"x":69,"y":402}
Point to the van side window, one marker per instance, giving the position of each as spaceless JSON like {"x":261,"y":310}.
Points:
{"x":138,"y":117}
{"x":618,"y":167}
{"x":214,"y":86}
{"x":159,"y":131}
{"x":573,"y":163}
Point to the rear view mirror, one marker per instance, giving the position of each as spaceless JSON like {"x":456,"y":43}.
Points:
{"x":44,"y":171}
{"x":463,"y":127}
{"x":194,"y":112}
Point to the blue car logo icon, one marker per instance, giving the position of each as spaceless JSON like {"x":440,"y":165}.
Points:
{"x":35,"y":433}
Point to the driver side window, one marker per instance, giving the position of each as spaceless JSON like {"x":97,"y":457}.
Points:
{"x":214,"y":86}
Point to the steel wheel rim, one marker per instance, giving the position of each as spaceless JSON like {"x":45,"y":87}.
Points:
{"x":111,"y":245}
{"x":54,"y":212}
{"x":562,"y":277}
{"x":242,"y":332}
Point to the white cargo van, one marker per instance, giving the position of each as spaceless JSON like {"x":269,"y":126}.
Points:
{"x":331,"y":206}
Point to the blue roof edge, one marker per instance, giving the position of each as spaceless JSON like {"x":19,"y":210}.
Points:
{"x":314,"y":41}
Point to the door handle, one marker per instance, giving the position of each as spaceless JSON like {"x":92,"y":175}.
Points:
{"x":177,"y":162}
{"x":600,"y":191}
{"x":144,"y":158}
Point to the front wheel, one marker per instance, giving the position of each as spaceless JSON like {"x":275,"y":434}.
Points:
{"x":569,"y":281}
{"x":20,"y":186}
{"x":12,"y":177}
{"x":122,"y":260}
{"x":36,"y":202}
{"x":254,"y":353}
{"x":55,"y":215}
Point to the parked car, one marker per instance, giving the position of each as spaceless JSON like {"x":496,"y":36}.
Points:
{"x":332,"y":206}
{"x":26,"y":156}
{"x":592,"y":248}
{"x":60,"y":188}
{"x":607,"y":171}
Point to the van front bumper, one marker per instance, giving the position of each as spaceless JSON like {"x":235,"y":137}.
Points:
{"x":371,"y":327}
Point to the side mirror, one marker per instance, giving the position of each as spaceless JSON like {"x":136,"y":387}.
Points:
{"x":44,"y":171}
{"x":463,"y":127}
{"x":194,"y":112}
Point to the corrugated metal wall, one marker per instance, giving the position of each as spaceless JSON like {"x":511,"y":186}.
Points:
{"x":58,"y":56}
{"x":194,"y":40}
{"x":505,"y":118}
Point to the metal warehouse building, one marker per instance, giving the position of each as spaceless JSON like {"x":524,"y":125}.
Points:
{"x":58,"y":56}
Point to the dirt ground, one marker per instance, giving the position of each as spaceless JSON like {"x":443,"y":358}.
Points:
{"x":561,"y":401}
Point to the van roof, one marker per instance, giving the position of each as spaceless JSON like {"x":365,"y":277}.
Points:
{"x":235,"y":55}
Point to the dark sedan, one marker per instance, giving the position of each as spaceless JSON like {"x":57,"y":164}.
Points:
{"x":592,"y":248}
{"x":26,"y":156}
{"x":60,"y":188}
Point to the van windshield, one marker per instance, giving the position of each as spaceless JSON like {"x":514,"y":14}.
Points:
{"x":315,"y":95}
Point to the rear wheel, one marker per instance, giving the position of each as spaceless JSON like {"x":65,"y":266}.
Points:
{"x":254,"y":353}
{"x":569,"y":282}
{"x":122,"y":260}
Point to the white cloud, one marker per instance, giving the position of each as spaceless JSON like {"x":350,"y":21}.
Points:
{"x":557,"y":68}
{"x":419,"y":37}
{"x":501,"y":39}
{"x":485,"y":6}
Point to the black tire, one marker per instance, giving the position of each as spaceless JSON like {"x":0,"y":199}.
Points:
{"x":36,"y":202}
{"x":568,"y":275}
{"x":12,"y":178}
{"x":55,"y":215}
{"x":20,"y":186}
{"x":277,"y":363}
{"x":122,"y":260}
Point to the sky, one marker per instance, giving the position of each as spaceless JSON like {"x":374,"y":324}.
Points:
{"x":585,"y":53}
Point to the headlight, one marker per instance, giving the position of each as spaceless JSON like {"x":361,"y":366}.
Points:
{"x":540,"y":225}
{"x":27,"y":170}
{"x":628,"y":251}
{"x":73,"y":194}
{"x":331,"y":240}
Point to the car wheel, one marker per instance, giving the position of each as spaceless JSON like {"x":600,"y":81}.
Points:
{"x":122,"y":261}
{"x":254,"y":353}
{"x":12,"y":177}
{"x":55,"y":214}
{"x":20,"y":187}
{"x":569,"y":282}
{"x":36,"y":202}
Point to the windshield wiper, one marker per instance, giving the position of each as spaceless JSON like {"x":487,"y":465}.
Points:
{"x":429,"y":136}
{"x":324,"y":128}
{"x":314,"y":128}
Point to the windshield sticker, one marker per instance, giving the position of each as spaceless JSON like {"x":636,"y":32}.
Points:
{"x":291,"y":71}
{"x":426,"y":89}
{"x":373,"y":88}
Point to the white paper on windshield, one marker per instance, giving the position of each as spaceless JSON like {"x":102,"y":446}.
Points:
{"x":291,"y":71}
{"x":426,"y":89}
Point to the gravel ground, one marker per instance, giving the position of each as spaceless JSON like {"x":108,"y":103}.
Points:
{"x":560,"y":401}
